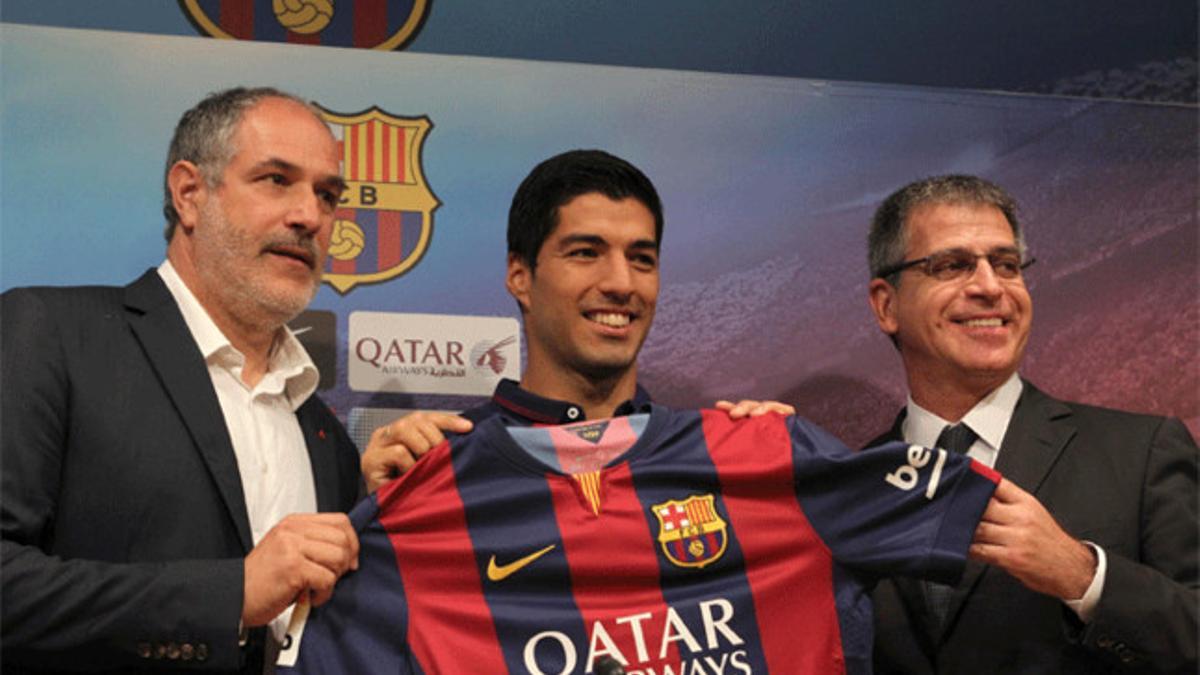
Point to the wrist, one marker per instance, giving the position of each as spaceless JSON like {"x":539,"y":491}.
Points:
{"x":1083,"y":571}
{"x":1085,"y":607}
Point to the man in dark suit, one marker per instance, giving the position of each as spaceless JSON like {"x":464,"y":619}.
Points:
{"x":164,"y":458}
{"x":1087,"y":560}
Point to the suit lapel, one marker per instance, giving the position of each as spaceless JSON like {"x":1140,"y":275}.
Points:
{"x":1037,"y":434}
{"x":171,"y":351}
{"x":321,"y":454}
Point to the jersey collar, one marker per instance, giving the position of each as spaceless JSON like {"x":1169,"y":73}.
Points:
{"x":530,"y":408}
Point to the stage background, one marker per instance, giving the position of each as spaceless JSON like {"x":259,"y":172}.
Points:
{"x":1102,"y":48}
{"x":768,"y":183}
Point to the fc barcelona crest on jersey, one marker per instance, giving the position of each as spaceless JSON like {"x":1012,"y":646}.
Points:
{"x":370,"y":24}
{"x":690,"y":531}
{"x":385,"y":220}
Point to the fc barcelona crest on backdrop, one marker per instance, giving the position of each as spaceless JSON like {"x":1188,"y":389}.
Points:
{"x":690,"y":531}
{"x":384,"y":222}
{"x":370,"y":24}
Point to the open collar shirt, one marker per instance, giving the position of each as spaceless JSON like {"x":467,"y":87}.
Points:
{"x":272,"y":456}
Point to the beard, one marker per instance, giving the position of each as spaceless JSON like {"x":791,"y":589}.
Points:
{"x":236,"y":272}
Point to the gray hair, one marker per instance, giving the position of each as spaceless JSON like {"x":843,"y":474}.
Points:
{"x":204,"y":137}
{"x":888,"y":238}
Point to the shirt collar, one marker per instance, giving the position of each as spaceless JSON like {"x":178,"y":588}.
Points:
{"x":988,"y":419}
{"x":289,"y":367}
{"x":541,"y":410}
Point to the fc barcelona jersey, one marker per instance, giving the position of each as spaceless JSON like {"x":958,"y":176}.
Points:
{"x":671,"y":542}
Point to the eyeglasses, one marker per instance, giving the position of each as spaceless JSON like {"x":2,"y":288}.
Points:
{"x":959,"y":263}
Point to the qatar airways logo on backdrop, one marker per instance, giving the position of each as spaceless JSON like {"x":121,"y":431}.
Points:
{"x":432,"y":353}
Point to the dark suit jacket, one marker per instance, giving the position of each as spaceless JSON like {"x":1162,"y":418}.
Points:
{"x":124,"y":522}
{"x":1126,"y":482}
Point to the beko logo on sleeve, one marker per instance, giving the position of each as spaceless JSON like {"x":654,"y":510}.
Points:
{"x":906,"y":475}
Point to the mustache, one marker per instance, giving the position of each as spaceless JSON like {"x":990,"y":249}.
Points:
{"x":296,"y":245}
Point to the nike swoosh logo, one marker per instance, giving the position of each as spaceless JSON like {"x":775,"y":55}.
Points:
{"x":501,"y":572}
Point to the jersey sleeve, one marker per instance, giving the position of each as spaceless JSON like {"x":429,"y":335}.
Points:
{"x":363,"y":627}
{"x":890,"y":510}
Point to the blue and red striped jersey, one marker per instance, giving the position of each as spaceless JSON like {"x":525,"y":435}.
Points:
{"x":669,"y":542}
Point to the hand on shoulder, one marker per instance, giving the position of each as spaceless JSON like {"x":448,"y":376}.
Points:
{"x":752,"y":408}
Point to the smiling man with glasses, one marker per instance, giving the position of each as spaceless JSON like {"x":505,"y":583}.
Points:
{"x":1097,"y":530}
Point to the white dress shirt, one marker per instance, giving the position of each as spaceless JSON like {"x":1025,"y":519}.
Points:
{"x":989,"y":420}
{"x":272,"y":456}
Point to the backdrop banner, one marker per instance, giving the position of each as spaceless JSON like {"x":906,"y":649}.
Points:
{"x":768,"y":185}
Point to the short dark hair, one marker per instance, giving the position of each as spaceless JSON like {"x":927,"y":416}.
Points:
{"x":556,"y":181}
{"x":888,"y":238}
{"x":204,"y":137}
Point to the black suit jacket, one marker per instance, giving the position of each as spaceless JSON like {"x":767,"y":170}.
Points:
{"x":123,"y":516}
{"x":1126,"y":482}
